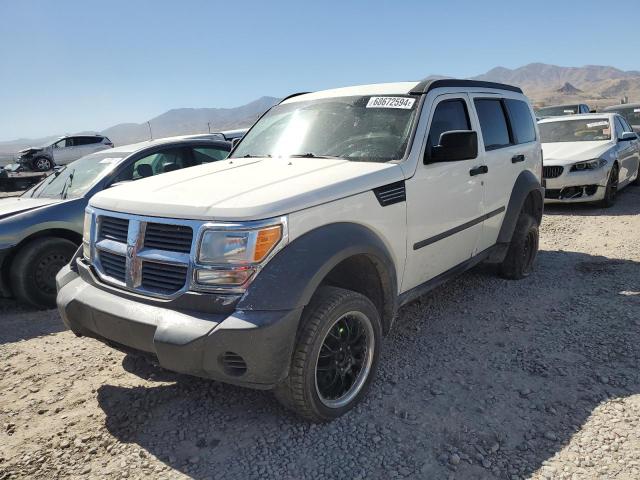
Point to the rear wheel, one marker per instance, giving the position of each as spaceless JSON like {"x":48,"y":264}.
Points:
{"x":611,"y":192}
{"x":42,"y":164}
{"x":522,"y":250}
{"x":33,"y":271}
{"x":335,"y":356}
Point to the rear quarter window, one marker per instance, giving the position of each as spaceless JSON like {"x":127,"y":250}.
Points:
{"x":522,"y":125}
{"x":493,"y":123}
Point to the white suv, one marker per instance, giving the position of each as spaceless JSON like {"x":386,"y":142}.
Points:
{"x":283,"y":266}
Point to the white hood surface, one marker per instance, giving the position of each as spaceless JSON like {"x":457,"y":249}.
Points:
{"x":246,"y":189}
{"x":12,"y":205}
{"x":564,"y":153}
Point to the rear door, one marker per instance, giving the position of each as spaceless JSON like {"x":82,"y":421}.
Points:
{"x":509,"y":146}
{"x":63,"y":151}
{"x":444,"y":200}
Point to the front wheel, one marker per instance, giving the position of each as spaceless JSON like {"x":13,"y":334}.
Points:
{"x":522,"y":250}
{"x":335,"y":356}
{"x":611,"y":191}
{"x":42,"y":164}
{"x":33,"y":271}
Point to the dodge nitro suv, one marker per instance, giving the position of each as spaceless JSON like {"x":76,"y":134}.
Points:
{"x":283,"y":266}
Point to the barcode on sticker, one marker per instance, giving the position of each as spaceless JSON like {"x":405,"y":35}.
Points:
{"x":391,"y":102}
{"x":598,"y":124}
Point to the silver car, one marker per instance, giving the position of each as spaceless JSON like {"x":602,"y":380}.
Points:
{"x":62,"y":152}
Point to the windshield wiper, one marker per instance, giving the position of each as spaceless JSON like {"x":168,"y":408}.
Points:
{"x":311,"y":155}
{"x":67,"y":184}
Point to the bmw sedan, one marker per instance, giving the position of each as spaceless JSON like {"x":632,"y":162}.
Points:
{"x":588,"y":158}
{"x":40,"y":230}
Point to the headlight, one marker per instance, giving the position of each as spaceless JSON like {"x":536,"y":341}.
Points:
{"x":230,"y":256}
{"x":86,"y":236}
{"x":589,"y":165}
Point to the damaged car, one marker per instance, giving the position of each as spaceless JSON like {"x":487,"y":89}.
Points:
{"x":588,"y":158}
{"x":61,"y":152}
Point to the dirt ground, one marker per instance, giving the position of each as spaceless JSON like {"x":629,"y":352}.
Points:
{"x":482,"y":378}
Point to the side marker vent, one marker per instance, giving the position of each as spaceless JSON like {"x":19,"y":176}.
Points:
{"x":390,"y":194}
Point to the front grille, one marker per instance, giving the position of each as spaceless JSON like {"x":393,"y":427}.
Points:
{"x":552,"y":172}
{"x":113,"y":228}
{"x":173,"y":238}
{"x":113,"y":265}
{"x":163,"y":278}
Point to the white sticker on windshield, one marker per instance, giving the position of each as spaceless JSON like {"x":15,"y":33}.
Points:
{"x":391,"y":102}
{"x":636,"y":110}
{"x":568,"y":111}
{"x":604,"y":123}
{"x":110,"y":160}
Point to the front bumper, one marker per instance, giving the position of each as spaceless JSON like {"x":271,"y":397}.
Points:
{"x":248,"y":348}
{"x":575,"y":187}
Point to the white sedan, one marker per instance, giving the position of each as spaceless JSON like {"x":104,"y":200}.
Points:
{"x":588,"y":158}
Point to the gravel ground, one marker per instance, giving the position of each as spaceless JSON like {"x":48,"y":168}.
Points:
{"x":482,"y":378}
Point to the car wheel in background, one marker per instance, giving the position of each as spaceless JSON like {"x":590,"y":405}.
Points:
{"x":522,"y":250}
{"x":335,"y":356}
{"x":611,"y":191}
{"x":42,"y":164}
{"x":33,"y":271}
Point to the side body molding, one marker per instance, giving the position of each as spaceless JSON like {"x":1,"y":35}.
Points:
{"x":524,"y":185}
{"x":290,"y":279}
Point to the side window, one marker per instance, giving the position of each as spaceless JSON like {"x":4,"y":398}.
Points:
{"x":70,"y":142}
{"x":493,"y":123}
{"x":154,"y":164}
{"x":449,"y":115}
{"x":79,"y":141}
{"x":619,"y":127}
{"x":625,"y":124}
{"x":208,"y":154}
{"x":521,"y":122}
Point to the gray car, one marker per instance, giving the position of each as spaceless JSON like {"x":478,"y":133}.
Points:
{"x":40,"y":230}
{"x":630,"y":111}
{"x":62,"y":151}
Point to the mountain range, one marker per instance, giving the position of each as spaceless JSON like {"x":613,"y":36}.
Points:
{"x":598,"y":86}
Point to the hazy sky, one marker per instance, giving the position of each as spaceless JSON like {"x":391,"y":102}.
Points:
{"x":68,"y":65}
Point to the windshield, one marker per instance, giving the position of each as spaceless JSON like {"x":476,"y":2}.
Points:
{"x":357,"y":128}
{"x":77,"y":177}
{"x":557,"y":111}
{"x":587,"y":130}
{"x":631,"y":114}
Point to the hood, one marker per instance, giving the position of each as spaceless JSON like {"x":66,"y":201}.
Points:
{"x":562,"y":153}
{"x":246,"y":189}
{"x":14,"y":205}
{"x":28,"y":150}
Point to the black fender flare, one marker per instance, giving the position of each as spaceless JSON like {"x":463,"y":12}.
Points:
{"x":526,"y":183}
{"x":293,"y":275}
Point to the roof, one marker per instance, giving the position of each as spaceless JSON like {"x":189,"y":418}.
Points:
{"x":580,"y":116}
{"x":134,"y":147}
{"x":399,"y":88}
{"x":621,"y":105}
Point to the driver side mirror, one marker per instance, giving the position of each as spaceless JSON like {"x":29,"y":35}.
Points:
{"x":454,"y":145}
{"x":628,"y":136}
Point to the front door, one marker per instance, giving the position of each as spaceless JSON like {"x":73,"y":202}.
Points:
{"x":444,"y":200}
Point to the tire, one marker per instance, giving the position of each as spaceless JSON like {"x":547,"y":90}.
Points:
{"x":523,"y":248}
{"x":33,"y":271}
{"x":611,"y":192}
{"x":333,"y":316}
{"x":636,"y":182}
{"x":42,"y":164}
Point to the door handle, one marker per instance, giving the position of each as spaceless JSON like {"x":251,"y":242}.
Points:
{"x":479,"y":170}
{"x":517,"y":158}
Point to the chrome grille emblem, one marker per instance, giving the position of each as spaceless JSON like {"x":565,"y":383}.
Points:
{"x":135,"y":240}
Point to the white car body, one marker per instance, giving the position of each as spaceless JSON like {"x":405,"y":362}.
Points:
{"x":588,"y":185}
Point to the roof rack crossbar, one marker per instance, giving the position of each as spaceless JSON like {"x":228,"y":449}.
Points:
{"x":426,"y":86}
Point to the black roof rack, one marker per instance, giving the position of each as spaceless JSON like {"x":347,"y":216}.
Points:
{"x":426,"y":86}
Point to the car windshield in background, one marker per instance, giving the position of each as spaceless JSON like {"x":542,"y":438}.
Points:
{"x":587,"y":130}
{"x":77,"y":177}
{"x":358,"y":128}
{"x":557,"y":111}
{"x":631,"y":114}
